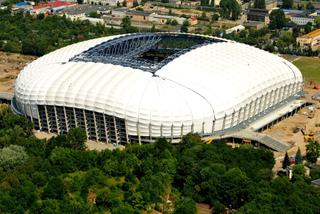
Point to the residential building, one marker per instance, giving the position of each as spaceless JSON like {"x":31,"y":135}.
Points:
{"x":138,"y":15}
{"x":271,"y":4}
{"x":258,"y":15}
{"x":162,"y":19}
{"x":110,"y":2}
{"x":120,"y":12}
{"x":235,"y":29}
{"x":302,"y":19}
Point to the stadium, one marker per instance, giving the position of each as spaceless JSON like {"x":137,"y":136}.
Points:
{"x":139,"y":87}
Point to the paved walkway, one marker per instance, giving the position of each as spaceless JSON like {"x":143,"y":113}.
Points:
{"x":264,"y":139}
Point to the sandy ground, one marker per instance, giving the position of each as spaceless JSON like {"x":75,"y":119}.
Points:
{"x":43,"y":135}
{"x":10,"y":66}
{"x":284,"y":130}
{"x":99,"y":146}
{"x":92,"y":145}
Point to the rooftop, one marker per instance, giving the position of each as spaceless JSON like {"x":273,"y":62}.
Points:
{"x":256,"y":11}
{"x":85,"y":8}
{"x":316,"y":182}
{"x":138,"y":13}
{"x":312,"y":34}
{"x":53,"y":4}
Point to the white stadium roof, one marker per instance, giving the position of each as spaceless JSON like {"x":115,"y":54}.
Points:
{"x":200,"y":85}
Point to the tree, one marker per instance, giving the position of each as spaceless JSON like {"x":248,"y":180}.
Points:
{"x":126,"y":24}
{"x":94,"y":14}
{"x":54,"y":189}
{"x":118,"y":4}
{"x":298,"y":169}
{"x":285,"y":39}
{"x":233,"y":187}
{"x":12,"y":46}
{"x":135,"y":4}
{"x":153,"y":28}
{"x":80,"y":1}
{"x":261,"y":4}
{"x":203,"y":15}
{"x":174,"y":22}
{"x":12,"y":156}
{"x":209,"y":30}
{"x":310,"y":6}
{"x":184,"y":27}
{"x":124,"y":3}
{"x":230,"y":9}
{"x":286,"y":161}
{"x":317,"y":21}
{"x":308,"y":27}
{"x":313,"y":149}
{"x":185,"y":205}
{"x":277,"y":19}
{"x":215,"y":17}
{"x":287,"y":4}
{"x":76,"y":138}
{"x":298,"y":157}
{"x":204,"y":2}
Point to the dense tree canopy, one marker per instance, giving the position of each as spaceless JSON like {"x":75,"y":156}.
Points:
{"x":277,"y":19}
{"x":60,"y":177}
{"x":287,"y":4}
{"x":261,"y":4}
{"x":39,"y":35}
{"x":230,"y":9}
{"x":184,"y":27}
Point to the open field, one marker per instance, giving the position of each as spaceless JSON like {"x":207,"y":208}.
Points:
{"x":310,"y":68}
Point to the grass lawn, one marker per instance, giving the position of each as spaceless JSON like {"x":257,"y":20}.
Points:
{"x":310,"y":68}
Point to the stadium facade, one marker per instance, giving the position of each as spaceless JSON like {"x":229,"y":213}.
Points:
{"x":138,"y":87}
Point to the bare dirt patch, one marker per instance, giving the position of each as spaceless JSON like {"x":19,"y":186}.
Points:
{"x":10,"y":66}
{"x":284,"y":130}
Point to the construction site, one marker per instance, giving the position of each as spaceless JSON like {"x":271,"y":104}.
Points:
{"x":299,"y":129}
{"x":288,"y":132}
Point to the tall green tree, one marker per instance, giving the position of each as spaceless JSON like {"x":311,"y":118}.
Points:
{"x":153,"y":28}
{"x":184,"y":27}
{"x":54,"y":189}
{"x":310,"y":6}
{"x":287,"y":4}
{"x":230,"y":9}
{"x":76,"y":139}
{"x":286,"y":161}
{"x":185,"y":205}
{"x":126,"y":24}
{"x":135,"y":3}
{"x":308,"y":27}
{"x":298,"y":157}
{"x":12,"y":156}
{"x":313,"y":151}
{"x":261,"y":4}
{"x":277,"y":19}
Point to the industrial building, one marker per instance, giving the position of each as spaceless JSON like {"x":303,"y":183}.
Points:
{"x":139,"y":87}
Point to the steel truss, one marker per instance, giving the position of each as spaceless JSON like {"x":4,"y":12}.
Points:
{"x":126,"y":50}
